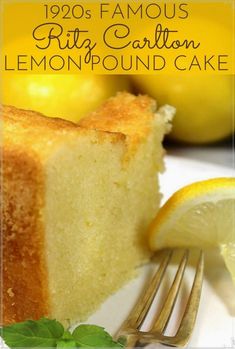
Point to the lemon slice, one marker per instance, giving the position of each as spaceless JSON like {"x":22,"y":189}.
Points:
{"x":202,"y":215}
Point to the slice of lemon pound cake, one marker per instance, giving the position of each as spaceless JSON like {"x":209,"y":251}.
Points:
{"x":77,"y":200}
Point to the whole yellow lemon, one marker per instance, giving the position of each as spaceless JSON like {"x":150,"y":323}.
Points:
{"x":204,"y":104}
{"x":66,"y":96}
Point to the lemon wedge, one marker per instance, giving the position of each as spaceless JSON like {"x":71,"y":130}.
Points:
{"x":202,"y":215}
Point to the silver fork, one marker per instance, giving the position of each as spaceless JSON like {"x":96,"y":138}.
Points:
{"x":130,"y":331}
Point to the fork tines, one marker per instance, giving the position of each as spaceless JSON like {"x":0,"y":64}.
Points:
{"x":131,"y":329}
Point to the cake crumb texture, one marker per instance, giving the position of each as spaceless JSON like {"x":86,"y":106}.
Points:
{"x":74,"y":213}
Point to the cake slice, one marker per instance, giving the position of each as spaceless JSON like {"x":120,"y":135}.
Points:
{"x":77,"y":200}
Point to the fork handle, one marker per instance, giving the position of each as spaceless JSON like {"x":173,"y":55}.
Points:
{"x":131,"y":341}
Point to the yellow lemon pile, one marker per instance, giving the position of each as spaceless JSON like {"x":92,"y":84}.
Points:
{"x":204,"y":104}
{"x":69,"y":96}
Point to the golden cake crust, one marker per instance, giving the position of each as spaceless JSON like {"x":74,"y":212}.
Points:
{"x":116,"y":120}
{"x":34,"y":131}
{"x":121,"y":114}
{"x":23,"y":264}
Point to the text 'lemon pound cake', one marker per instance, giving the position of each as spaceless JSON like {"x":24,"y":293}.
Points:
{"x":76,"y":203}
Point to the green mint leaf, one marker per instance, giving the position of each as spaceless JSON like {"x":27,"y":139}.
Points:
{"x":67,"y":335}
{"x":43,"y":333}
{"x":66,"y":343}
{"x":92,"y":336}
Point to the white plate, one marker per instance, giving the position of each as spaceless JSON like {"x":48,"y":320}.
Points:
{"x":215,"y":326}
